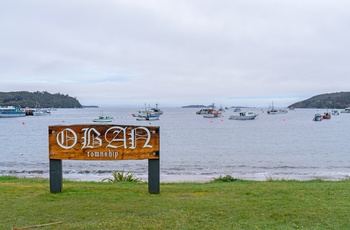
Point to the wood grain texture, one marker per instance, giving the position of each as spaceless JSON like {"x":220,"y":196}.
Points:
{"x":104,"y":142}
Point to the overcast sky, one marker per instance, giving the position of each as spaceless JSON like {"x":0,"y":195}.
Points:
{"x":180,"y":52}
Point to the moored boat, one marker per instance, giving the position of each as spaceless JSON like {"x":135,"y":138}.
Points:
{"x":11,"y":111}
{"x":148,"y":114}
{"x":335,"y":112}
{"x":148,"y":117}
{"x":41,"y":112}
{"x":212,"y":112}
{"x":281,"y":111}
{"x":103,"y":119}
{"x":249,"y":115}
{"x":207,"y":110}
{"x":346,"y":110}
{"x":327,"y":115}
{"x":202,"y":111}
{"x":157,"y":111}
{"x":318,"y":117}
{"x":272,"y":110}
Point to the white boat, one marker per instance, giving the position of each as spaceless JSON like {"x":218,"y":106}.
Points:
{"x":149,"y":117}
{"x":202,"y":111}
{"x":249,"y":115}
{"x":212,"y":112}
{"x":157,"y":111}
{"x":281,"y":111}
{"x":142,"y":113}
{"x":318,"y":117}
{"x":346,"y":110}
{"x":41,"y":112}
{"x":335,"y":112}
{"x":11,"y":111}
{"x":207,"y":110}
{"x":103,"y":119}
{"x":148,"y":113}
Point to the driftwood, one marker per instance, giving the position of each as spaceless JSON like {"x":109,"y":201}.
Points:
{"x":36,"y":226}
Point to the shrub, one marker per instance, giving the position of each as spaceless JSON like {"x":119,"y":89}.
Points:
{"x":122,"y":177}
{"x":227,"y":178}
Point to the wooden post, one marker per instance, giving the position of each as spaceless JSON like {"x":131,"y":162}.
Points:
{"x":56,"y":176}
{"x":153,"y":176}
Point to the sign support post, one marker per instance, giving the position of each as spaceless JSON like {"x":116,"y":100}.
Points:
{"x":56,"y":178}
{"x":153,"y":176}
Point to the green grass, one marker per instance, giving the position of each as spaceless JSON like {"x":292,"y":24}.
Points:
{"x":239,"y":204}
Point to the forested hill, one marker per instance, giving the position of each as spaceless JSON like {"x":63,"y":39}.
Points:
{"x":38,"y":99}
{"x":325,"y":101}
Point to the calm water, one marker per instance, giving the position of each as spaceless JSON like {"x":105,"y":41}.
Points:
{"x":284,"y":146}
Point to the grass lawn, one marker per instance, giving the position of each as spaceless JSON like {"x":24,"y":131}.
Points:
{"x":240,"y":204}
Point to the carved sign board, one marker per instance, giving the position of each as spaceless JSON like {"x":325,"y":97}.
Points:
{"x":103,"y":142}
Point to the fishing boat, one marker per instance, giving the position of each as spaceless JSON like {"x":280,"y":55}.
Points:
{"x":150,"y":112}
{"x":148,"y":117}
{"x":335,"y":112}
{"x":272,"y":110}
{"x":202,"y":111}
{"x":318,"y":117}
{"x":327,"y":115}
{"x":11,"y":111}
{"x":157,"y":111}
{"x":41,"y":112}
{"x":207,"y":110}
{"x":249,"y":115}
{"x":212,"y":112}
{"x":103,"y":118}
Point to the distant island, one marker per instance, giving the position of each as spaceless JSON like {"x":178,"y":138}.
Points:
{"x":89,"y":106}
{"x":194,"y":106}
{"x":339,"y":100}
{"x":43,"y":99}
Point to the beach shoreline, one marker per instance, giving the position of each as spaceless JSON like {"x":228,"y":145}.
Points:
{"x":187,"y":178}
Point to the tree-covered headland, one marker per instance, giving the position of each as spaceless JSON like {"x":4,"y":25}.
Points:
{"x":43,"y":99}
{"x":338,"y":100}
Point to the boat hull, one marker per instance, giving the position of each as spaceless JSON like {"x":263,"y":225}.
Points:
{"x":41,"y":113}
{"x":101,"y":120}
{"x":9,"y":115}
{"x":234,"y":117}
{"x":147,"y":118}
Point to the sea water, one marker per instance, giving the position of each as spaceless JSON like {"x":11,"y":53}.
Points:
{"x":193,"y":148}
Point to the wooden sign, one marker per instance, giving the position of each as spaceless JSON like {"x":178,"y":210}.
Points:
{"x":103,"y":142}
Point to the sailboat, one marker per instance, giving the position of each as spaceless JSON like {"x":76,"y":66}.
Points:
{"x":272,"y":110}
